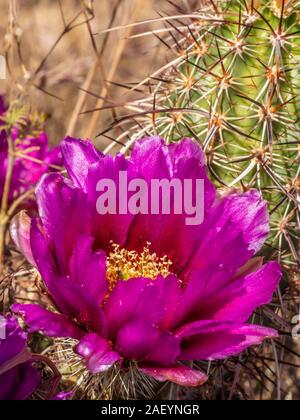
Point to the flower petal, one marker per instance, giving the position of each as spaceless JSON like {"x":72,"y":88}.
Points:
{"x":3,"y":158}
{"x":212,"y":340}
{"x":78,"y":156}
{"x":49,"y":323}
{"x":57,"y":198}
{"x":88,"y":269}
{"x":180,"y":375}
{"x":97,"y":353}
{"x":251,"y":266}
{"x":20,"y":233}
{"x":63,"y":396}
{"x":139,"y":298}
{"x":19,"y":383}
{"x":107,"y":228}
{"x":236,"y":228}
{"x":54,"y":158}
{"x":172,"y":292}
{"x":13,"y":346}
{"x":240,"y":218}
{"x":250,"y":212}
{"x":3,"y":106}
{"x":8,"y":381}
{"x":137,"y":339}
{"x":66,"y":291}
{"x":239,"y":299}
{"x":155,"y":160}
{"x":166,"y":350}
{"x":209,"y":279}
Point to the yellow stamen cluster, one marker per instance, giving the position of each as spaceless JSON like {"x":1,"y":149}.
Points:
{"x":124,"y":265}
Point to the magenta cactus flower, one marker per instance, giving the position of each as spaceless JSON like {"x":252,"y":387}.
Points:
{"x":148,"y":289}
{"x":33,"y":158}
{"x":2,"y":108}
{"x":18,"y":377}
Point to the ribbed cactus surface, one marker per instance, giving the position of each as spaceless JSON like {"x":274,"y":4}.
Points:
{"x":235,"y":87}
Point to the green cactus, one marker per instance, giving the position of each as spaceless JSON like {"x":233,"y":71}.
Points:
{"x":235,"y":86}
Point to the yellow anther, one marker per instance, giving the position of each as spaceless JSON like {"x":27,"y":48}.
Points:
{"x":123,"y":264}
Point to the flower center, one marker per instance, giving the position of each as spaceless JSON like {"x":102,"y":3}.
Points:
{"x":124,"y":265}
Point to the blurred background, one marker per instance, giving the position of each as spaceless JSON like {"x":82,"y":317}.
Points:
{"x":61,"y":61}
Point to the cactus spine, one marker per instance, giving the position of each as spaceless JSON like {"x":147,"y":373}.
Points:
{"x":235,"y":87}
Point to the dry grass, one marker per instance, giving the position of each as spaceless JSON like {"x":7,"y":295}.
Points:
{"x":52,"y":53}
